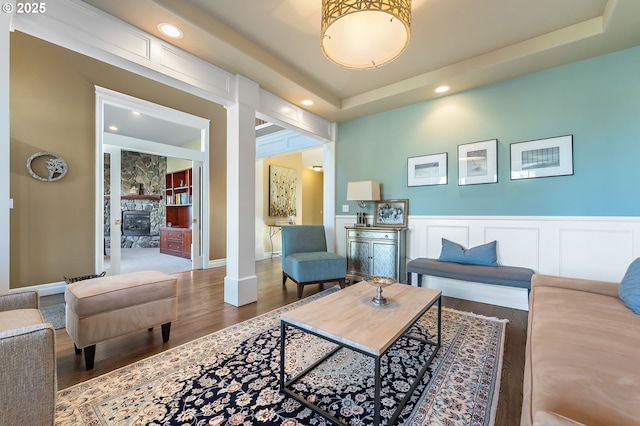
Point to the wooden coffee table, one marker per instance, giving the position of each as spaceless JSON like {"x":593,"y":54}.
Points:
{"x":349,"y":319}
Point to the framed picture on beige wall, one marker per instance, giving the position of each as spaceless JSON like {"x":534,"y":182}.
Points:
{"x":282,"y":191}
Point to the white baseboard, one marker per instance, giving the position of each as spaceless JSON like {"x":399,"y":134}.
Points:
{"x":269,"y":255}
{"x":216,"y":263}
{"x":58,"y":288}
{"x":43,"y":289}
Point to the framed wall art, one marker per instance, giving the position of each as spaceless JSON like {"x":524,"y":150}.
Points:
{"x":478,"y":162}
{"x":542,"y":158}
{"x":391,"y":213}
{"x":427,"y":170}
{"x":282,"y":191}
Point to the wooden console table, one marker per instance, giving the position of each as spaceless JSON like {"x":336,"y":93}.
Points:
{"x":175,"y":241}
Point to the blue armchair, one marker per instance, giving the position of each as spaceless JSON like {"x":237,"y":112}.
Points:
{"x":305,"y":259}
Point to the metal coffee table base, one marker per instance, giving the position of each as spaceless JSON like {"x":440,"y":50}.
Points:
{"x":285,"y":384}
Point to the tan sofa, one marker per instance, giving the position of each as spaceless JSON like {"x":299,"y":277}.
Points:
{"x":27,"y":362}
{"x":582,"y":355}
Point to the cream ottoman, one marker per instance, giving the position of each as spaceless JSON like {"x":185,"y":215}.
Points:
{"x":99,"y":309}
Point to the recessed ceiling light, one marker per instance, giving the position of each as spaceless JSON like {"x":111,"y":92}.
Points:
{"x":113,"y":128}
{"x":170,"y":30}
{"x":135,"y":113}
{"x":307,"y":102}
{"x":442,"y":89}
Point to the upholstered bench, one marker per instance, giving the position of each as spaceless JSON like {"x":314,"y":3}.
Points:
{"x":513,"y":276}
{"x":99,"y":309}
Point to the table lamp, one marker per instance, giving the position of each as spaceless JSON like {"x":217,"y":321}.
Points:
{"x":361,"y":192}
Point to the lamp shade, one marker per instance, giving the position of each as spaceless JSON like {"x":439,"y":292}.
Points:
{"x":364,"y":34}
{"x":363,"y":191}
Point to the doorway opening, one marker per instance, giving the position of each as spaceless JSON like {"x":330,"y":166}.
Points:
{"x":304,"y":159}
{"x":136,"y":144}
{"x":152,"y":236}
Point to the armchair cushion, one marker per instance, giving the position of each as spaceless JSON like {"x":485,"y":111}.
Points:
{"x":19,"y":318}
{"x":302,"y":239}
{"x":314,"y":266}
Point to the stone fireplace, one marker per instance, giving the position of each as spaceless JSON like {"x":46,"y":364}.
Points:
{"x":142,"y":203}
{"x":142,"y":217}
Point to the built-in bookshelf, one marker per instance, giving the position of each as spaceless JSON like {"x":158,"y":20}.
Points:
{"x":179,"y":196}
{"x":175,"y":238}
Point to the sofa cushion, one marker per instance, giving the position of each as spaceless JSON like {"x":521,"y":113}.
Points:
{"x":583,"y":353}
{"x":514,"y":276}
{"x":545,"y":418}
{"x":629,"y":290}
{"x":484,"y":254}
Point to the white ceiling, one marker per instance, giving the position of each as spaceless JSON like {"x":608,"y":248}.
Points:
{"x":461,"y":43}
{"x":141,"y":126}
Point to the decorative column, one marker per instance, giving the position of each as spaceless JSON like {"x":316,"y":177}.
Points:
{"x":5,"y":202}
{"x":241,"y":282}
{"x":329,"y":196}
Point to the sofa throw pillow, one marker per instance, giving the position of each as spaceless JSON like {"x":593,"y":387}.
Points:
{"x":629,"y":290}
{"x":484,"y":254}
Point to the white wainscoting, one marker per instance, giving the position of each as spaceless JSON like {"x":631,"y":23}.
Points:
{"x":598,"y":248}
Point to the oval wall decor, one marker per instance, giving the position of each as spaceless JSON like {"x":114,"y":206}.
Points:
{"x":56,"y":166}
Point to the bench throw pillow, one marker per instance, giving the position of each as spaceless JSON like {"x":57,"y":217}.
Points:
{"x":484,"y":254}
{"x":629,"y":290}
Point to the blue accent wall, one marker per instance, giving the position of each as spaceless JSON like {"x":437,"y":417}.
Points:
{"x":595,"y":100}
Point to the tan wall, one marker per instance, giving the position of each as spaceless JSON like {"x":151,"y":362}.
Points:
{"x":309,"y":196}
{"x":175,"y":164}
{"x":53,"y":109}
{"x":292,"y":161}
{"x":312,"y":199}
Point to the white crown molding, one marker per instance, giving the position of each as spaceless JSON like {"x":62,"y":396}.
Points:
{"x":82,"y":28}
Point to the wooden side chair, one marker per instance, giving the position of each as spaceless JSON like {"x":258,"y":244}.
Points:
{"x":305,"y":259}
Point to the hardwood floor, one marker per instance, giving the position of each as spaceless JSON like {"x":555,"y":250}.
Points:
{"x":201,"y":311}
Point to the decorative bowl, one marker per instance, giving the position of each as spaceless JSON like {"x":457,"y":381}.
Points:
{"x":380,"y":282}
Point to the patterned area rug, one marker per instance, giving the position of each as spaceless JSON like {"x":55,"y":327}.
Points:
{"x":231,"y":378}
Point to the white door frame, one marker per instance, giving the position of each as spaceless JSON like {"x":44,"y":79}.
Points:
{"x":115,"y":231}
{"x":107,"y":142}
{"x":197,"y":234}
